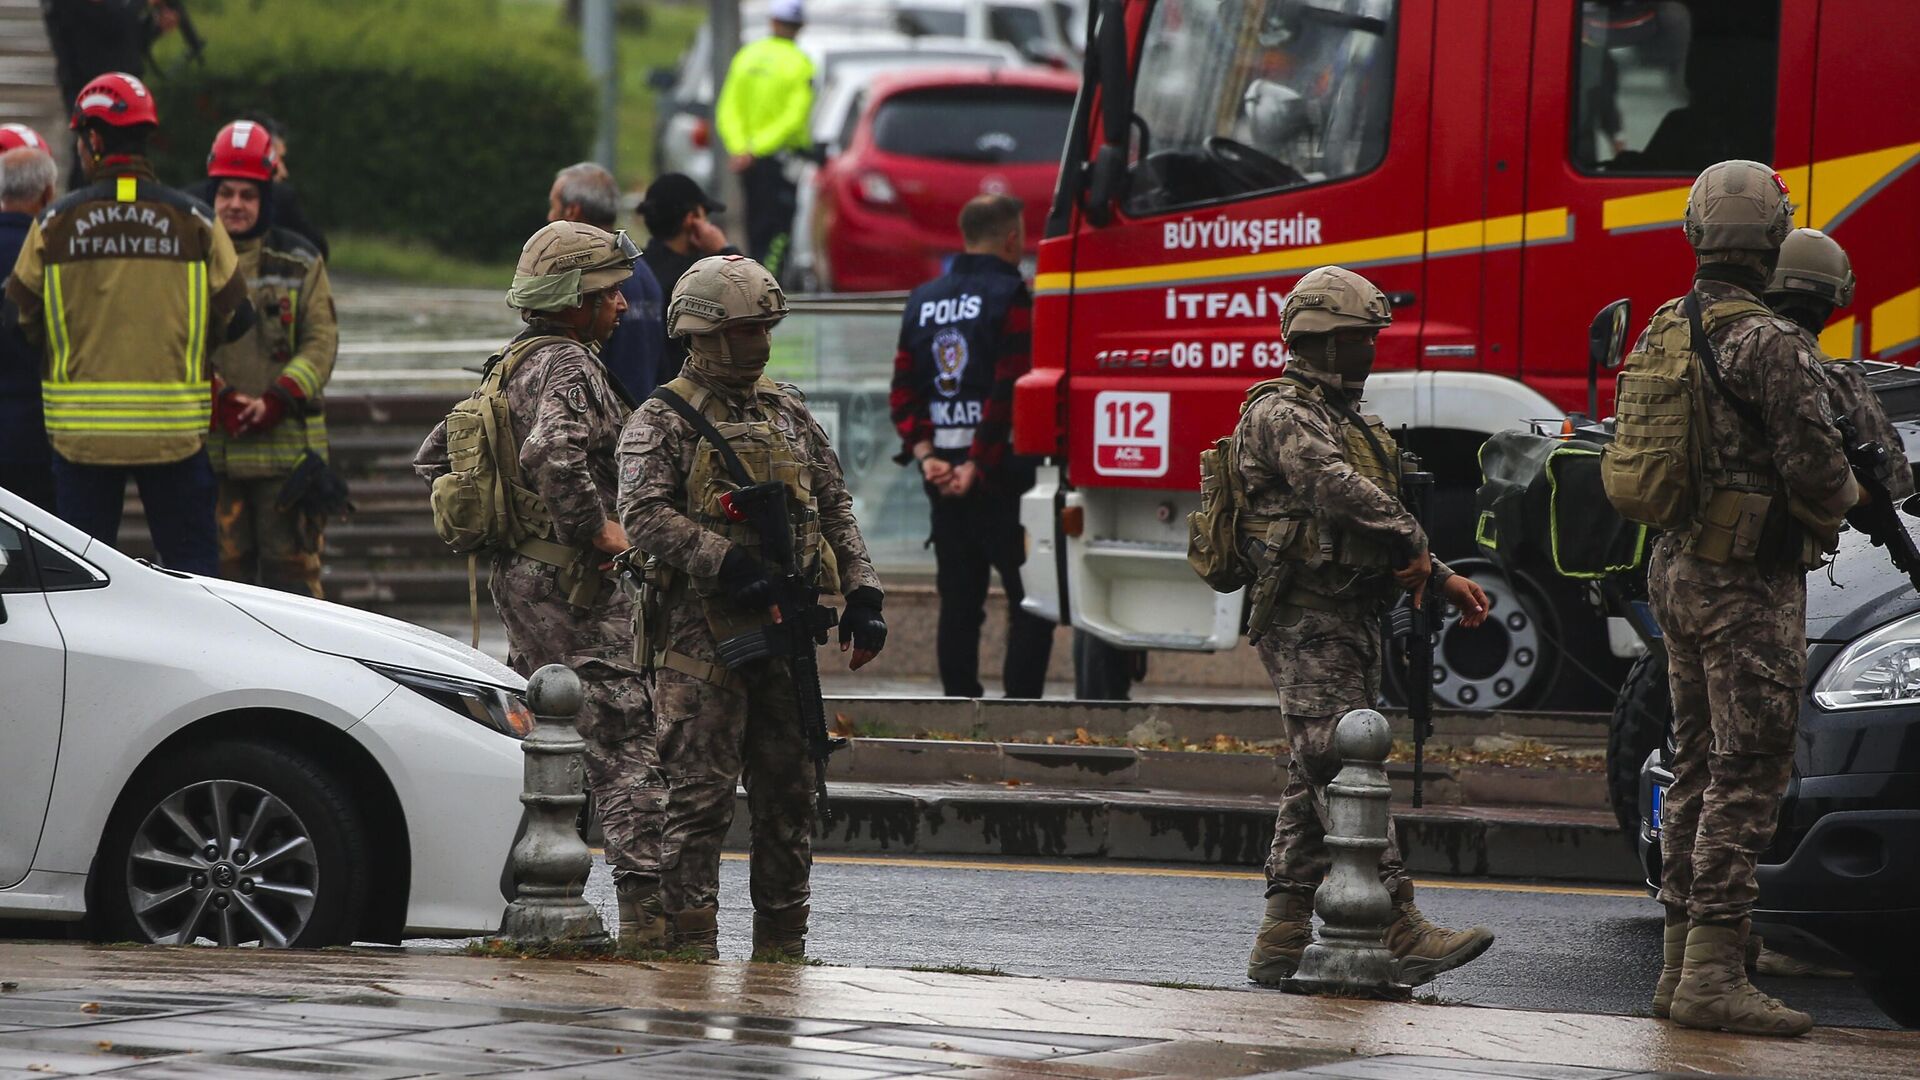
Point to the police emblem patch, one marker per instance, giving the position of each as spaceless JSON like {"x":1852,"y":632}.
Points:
{"x":950,"y":358}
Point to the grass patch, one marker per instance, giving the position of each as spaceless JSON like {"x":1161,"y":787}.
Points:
{"x":961,"y":969}
{"x":414,"y":261}
{"x":1175,"y":984}
{"x":502,"y":949}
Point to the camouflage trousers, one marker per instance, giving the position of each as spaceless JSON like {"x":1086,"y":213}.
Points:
{"x":713,"y":737}
{"x":623,"y":768}
{"x":261,"y":544}
{"x":1324,"y":665}
{"x":616,"y":718}
{"x":1736,"y":663}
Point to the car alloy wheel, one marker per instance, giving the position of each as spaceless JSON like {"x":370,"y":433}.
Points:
{"x":222,"y":860}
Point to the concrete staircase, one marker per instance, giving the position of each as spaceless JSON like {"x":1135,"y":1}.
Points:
{"x":29,"y":94}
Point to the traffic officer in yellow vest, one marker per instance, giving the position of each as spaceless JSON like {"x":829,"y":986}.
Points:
{"x":1729,"y":589}
{"x":710,"y":582}
{"x":268,"y":413}
{"x":1327,"y":481}
{"x":127,"y":284}
{"x":549,"y":583}
{"x":762,"y":118}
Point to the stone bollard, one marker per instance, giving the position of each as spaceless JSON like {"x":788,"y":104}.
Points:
{"x":550,"y":862}
{"x":1348,"y":955}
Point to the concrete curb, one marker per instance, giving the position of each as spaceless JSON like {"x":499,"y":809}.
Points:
{"x":1123,"y":768}
{"x":1183,"y":827}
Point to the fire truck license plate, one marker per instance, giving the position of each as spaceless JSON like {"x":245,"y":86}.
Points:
{"x":1130,"y":432}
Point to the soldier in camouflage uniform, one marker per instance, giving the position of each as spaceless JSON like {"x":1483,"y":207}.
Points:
{"x":1730,"y":593}
{"x":1322,"y":489}
{"x":552,"y":593}
{"x":721,"y":724}
{"x":1814,"y":279}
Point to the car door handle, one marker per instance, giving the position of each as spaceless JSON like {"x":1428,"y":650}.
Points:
{"x":1452,"y":351}
{"x":1400,"y":299}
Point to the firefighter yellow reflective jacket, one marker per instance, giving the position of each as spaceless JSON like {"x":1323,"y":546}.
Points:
{"x":124,"y":284}
{"x":291,"y":347}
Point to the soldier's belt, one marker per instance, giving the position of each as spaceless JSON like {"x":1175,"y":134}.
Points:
{"x":579,"y":575}
{"x":702,"y":670}
{"x":1313,"y":601}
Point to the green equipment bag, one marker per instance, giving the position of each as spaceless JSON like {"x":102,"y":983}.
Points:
{"x":1541,"y":507}
{"x":480,"y":505}
{"x":1213,"y":531}
{"x":1652,"y":469}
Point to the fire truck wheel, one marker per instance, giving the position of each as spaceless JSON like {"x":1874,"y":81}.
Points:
{"x":1512,"y":660}
{"x":1103,"y":672}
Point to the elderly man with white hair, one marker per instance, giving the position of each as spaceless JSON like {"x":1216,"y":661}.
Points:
{"x":27,"y":178}
{"x":634,"y":355}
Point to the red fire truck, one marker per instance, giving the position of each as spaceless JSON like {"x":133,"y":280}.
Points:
{"x":1501,"y":168}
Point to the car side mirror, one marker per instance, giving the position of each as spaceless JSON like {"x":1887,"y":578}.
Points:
{"x":1606,"y":338}
{"x":662,"y":79}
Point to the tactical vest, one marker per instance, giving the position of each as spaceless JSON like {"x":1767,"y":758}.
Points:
{"x":951,"y":329}
{"x":1300,"y":537}
{"x":767,"y":452}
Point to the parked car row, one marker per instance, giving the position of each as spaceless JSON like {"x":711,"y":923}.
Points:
{"x":919,"y":105}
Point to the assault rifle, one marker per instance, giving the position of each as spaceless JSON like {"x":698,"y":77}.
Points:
{"x":803,"y":624}
{"x":1416,"y":627}
{"x":1877,"y":517}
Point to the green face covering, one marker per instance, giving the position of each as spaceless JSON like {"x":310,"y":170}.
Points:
{"x":545,"y":292}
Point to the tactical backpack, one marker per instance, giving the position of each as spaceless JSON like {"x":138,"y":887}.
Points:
{"x":1653,"y":470}
{"x":481,"y":505}
{"x":1214,"y":546}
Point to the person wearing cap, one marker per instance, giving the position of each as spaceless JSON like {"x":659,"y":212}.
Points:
{"x":635,"y":353}
{"x":269,"y":411}
{"x":762,"y":118}
{"x":552,"y":589}
{"x":128,"y":285}
{"x":27,"y":178}
{"x":679,"y":234}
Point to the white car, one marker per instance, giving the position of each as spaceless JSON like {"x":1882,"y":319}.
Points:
{"x":188,"y":759}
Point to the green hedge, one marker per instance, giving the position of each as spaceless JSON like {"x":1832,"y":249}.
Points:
{"x":441,"y":120}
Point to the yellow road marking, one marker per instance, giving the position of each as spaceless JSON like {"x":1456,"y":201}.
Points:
{"x":916,"y":862}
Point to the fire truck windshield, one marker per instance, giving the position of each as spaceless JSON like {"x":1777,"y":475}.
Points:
{"x":1234,"y":97}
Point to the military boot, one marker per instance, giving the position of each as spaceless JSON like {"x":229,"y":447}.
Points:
{"x":1285,"y":932}
{"x":1714,"y":993}
{"x":643,"y":924}
{"x":696,"y":930}
{"x":1673,"y":954}
{"x":1425,"y":950}
{"x":780,"y":935}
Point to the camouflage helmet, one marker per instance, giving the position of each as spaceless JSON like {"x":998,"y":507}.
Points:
{"x":721,"y":291}
{"x":1333,"y":298}
{"x":1738,"y":205}
{"x":1812,"y":264}
{"x":566,"y":260}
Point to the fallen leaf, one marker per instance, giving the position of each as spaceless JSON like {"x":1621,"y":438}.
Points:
{"x":104,"y":1044}
{"x":1080,"y":736}
{"x":1013,"y":783}
{"x":90,"y":1007}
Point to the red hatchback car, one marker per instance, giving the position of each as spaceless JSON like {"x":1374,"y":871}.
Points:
{"x":887,"y":210}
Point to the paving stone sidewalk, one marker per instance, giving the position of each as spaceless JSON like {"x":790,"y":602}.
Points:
{"x":77,"y":1010}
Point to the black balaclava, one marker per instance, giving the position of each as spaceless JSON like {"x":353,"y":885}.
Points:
{"x":1352,"y":361}
{"x":1808,"y":313}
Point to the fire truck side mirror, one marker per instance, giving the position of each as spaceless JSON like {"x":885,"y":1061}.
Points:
{"x":1107,"y":172}
{"x":1607,"y":337}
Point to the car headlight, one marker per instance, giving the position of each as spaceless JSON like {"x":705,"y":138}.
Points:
{"x":501,"y":710}
{"x":1882,"y":668}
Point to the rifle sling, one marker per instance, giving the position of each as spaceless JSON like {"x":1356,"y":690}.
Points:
{"x":705,"y":429}
{"x":1709,"y":359}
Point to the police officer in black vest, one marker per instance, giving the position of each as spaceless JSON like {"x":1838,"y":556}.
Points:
{"x":964,"y":338}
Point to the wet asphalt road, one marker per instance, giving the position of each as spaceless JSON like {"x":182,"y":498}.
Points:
{"x":1564,"y":948}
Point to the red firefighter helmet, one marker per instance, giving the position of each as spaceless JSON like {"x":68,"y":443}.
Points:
{"x":242,"y":151}
{"x":15,"y":136}
{"x":115,"y":99}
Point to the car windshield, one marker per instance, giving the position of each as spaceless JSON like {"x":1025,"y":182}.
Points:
{"x":935,"y":22}
{"x":988,"y":124}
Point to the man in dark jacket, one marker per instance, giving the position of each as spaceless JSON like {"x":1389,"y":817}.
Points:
{"x":27,"y":177}
{"x":679,"y":235}
{"x":93,"y":37}
{"x":964,"y":340}
{"x":634,"y":355}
